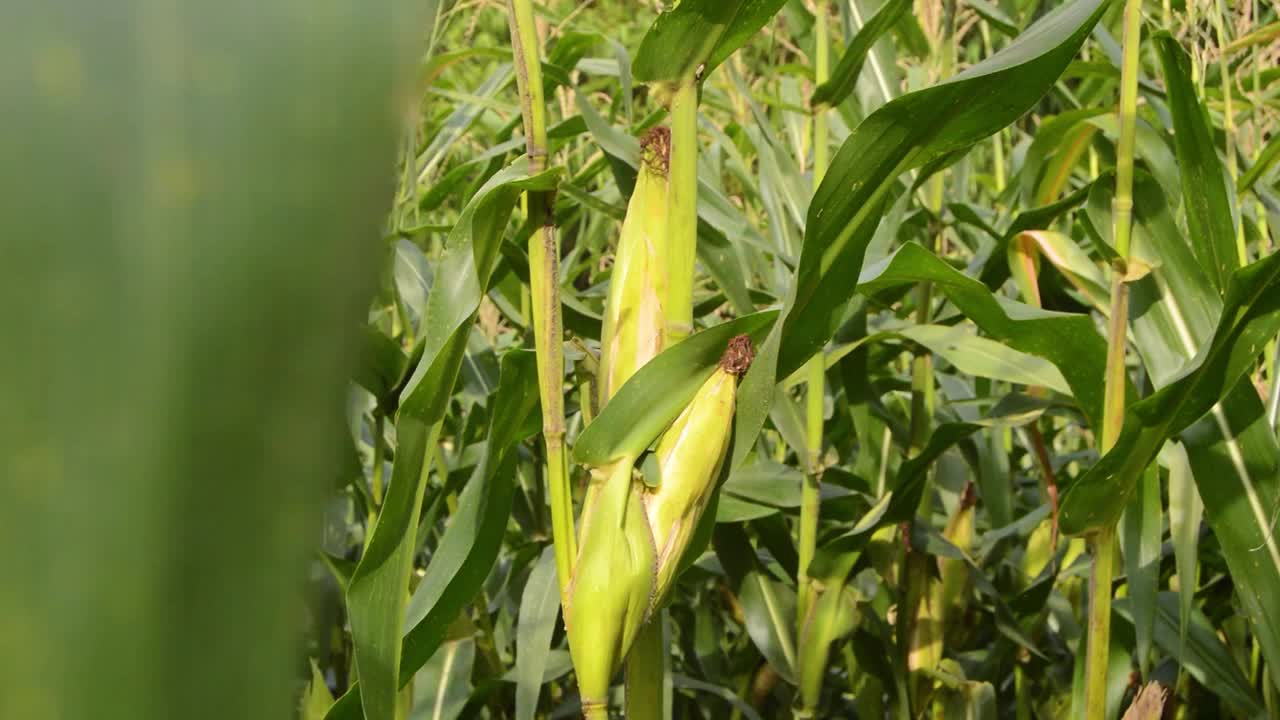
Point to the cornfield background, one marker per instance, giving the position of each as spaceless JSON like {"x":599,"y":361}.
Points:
{"x":320,"y":332}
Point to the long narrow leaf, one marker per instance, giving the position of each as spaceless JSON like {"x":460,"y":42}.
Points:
{"x":845,"y":77}
{"x":1205,"y":193}
{"x":697,"y":35}
{"x":466,"y":552}
{"x":905,"y":133}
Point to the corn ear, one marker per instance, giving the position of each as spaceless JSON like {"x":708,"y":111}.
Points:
{"x":626,"y":562}
{"x":613,"y":581}
{"x":690,"y":455}
{"x":924,"y":650}
{"x":634,"y":323}
{"x":942,"y":602}
{"x":1038,"y":553}
{"x":954,"y":572}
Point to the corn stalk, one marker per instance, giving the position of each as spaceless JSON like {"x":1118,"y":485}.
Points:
{"x":1104,"y":541}
{"x":544,"y":282}
{"x":815,"y":378}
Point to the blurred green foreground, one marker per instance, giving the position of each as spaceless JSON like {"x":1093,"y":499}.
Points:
{"x":188,"y":195}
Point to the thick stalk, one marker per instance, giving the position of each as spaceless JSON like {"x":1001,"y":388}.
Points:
{"x":682,"y":203}
{"x":646,"y":672}
{"x":544,"y":286}
{"x":915,"y":627}
{"x":810,"y":494}
{"x":1099,"y":626}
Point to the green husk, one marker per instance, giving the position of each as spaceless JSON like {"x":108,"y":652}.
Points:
{"x":690,"y":456}
{"x":612,"y":589}
{"x":632,"y":538}
{"x":949,"y":593}
{"x":635,"y":319}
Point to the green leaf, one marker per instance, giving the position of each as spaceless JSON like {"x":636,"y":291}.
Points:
{"x":845,"y":76}
{"x":729,"y":696}
{"x":1141,"y":531}
{"x":1266,"y":159}
{"x":766,"y":483}
{"x":1186,"y":510}
{"x":382,"y":365}
{"x":769,"y":610}
{"x":442,"y":687}
{"x":972,"y":701}
{"x":1053,"y":153}
{"x":696,"y":36}
{"x":980,"y":357}
{"x":1205,"y":192}
{"x":1073,"y":262}
{"x":1071,"y":342}
{"x":992,"y":13}
{"x":316,"y":699}
{"x":1204,"y":395}
{"x":191,"y":196}
{"x":1204,"y":655}
{"x":461,"y":279}
{"x":378,"y":588}
{"x":539,"y":607}
{"x":1236,"y":464}
{"x":459,"y":565}
{"x":906,"y":133}
{"x":652,"y":398}
{"x":1250,"y":318}
{"x":912,"y":474}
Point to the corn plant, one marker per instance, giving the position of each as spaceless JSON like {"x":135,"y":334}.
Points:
{"x":848,"y":451}
{"x":714,"y":359}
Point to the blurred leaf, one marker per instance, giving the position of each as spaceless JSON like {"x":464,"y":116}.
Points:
{"x":971,"y":701}
{"x":992,"y":13}
{"x":684,"y":681}
{"x":460,"y":121}
{"x":316,"y":699}
{"x":186,"y":261}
